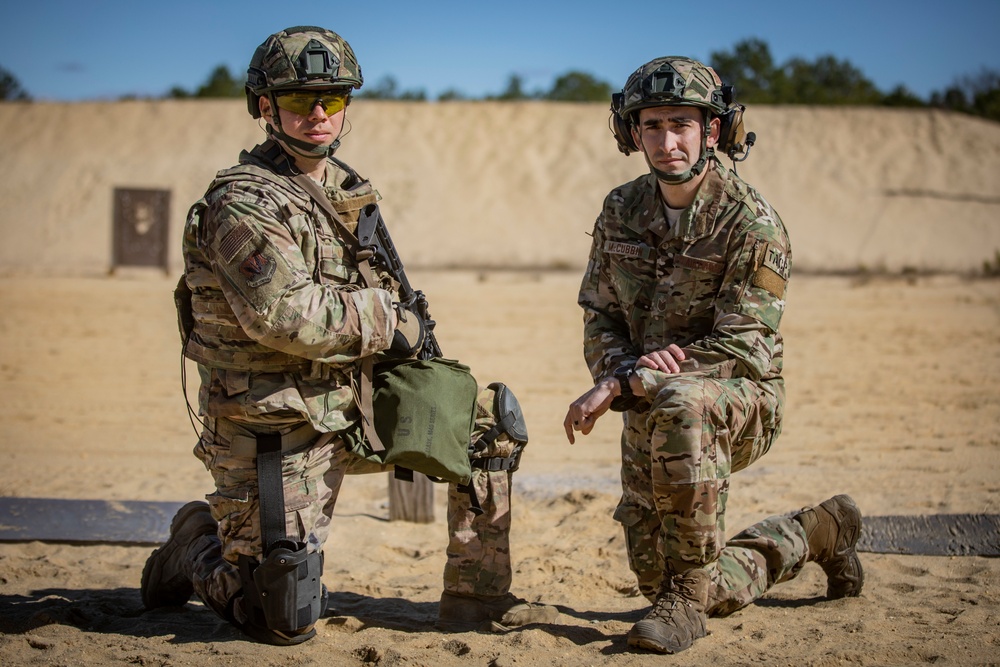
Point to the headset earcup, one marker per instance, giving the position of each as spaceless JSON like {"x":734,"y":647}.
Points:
{"x":253,"y":105}
{"x":623,"y":134}
{"x":731,"y":132}
{"x":621,"y":127}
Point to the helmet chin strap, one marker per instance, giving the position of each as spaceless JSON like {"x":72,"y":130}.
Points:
{"x":299,"y":147}
{"x":303,"y":148}
{"x":696,"y":168}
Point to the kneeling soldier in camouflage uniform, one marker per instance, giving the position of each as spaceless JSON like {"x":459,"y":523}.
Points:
{"x":682,"y":299}
{"x":279,"y":318}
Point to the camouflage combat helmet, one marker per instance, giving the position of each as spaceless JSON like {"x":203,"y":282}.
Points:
{"x":673,"y":81}
{"x":300,"y":58}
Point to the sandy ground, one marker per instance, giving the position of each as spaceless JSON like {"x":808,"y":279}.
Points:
{"x":892,"y":398}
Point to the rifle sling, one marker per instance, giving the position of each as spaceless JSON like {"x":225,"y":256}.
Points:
{"x":365,"y":391}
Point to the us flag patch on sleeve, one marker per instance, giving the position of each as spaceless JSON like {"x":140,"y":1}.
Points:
{"x":234,"y":241}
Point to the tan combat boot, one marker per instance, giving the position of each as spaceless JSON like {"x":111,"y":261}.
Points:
{"x":832,"y":531}
{"x":678,"y":616}
{"x":461,"y":613}
{"x":165,"y":581}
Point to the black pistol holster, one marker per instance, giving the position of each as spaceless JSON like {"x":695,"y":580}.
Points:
{"x":283,"y":595}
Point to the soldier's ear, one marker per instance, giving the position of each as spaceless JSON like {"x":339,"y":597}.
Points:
{"x":636,"y":137}
{"x":715,"y":127}
{"x":264,"y":104}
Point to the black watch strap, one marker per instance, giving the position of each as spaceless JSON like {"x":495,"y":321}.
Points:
{"x":624,"y":375}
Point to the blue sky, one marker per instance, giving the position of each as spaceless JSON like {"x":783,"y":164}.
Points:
{"x":84,"y":50}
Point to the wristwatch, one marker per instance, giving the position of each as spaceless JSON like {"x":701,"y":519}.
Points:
{"x":624,"y":375}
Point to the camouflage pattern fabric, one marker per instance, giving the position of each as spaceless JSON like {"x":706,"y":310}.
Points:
{"x":479,"y":545}
{"x":478,"y":555}
{"x":282,"y":61}
{"x":281,"y":321}
{"x":714,"y":284}
{"x":672,"y":80}
{"x":679,"y":454}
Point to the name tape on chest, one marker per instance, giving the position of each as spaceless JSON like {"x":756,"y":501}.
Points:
{"x":636,"y":250}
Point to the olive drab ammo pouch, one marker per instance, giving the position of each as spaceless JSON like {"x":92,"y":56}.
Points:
{"x":432,"y":418}
{"x":424,"y":416}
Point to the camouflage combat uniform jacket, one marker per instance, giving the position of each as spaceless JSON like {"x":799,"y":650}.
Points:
{"x":280,"y":323}
{"x":714,"y":285}
{"x":279,"y":316}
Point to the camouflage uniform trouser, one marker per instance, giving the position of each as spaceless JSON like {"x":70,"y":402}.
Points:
{"x":478,"y":553}
{"x":676,"y":461}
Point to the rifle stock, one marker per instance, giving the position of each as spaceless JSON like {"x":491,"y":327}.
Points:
{"x":373,"y":237}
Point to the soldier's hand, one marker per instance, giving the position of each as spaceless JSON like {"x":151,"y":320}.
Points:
{"x":408,"y":338}
{"x":584,"y":412}
{"x":663,"y":360}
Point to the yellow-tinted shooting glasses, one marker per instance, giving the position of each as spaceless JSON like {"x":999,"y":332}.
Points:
{"x":303,"y":102}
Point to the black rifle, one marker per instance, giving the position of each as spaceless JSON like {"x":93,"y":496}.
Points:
{"x":374,"y":238}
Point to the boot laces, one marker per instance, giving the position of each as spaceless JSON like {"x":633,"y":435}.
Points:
{"x":677,"y":594}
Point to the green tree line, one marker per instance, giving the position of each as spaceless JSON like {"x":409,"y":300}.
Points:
{"x":827,"y":80}
{"x":749,"y":66}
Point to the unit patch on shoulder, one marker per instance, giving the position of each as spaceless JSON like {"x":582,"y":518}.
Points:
{"x":628,"y":249}
{"x":258,"y":268}
{"x":777,"y":261}
{"x":772,"y":274}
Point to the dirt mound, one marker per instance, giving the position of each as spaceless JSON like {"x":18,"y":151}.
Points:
{"x":510,"y":185}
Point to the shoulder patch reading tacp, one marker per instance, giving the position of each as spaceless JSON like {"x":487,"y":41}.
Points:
{"x":772,"y":275}
{"x":777,"y":261}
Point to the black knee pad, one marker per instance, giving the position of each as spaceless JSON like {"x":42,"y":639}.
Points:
{"x":283,"y":596}
{"x":508,"y":411}
{"x":507,"y":419}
